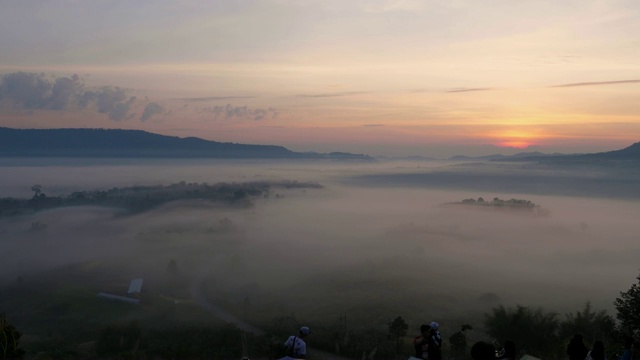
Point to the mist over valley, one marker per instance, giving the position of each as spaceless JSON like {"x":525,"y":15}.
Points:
{"x":375,"y":241}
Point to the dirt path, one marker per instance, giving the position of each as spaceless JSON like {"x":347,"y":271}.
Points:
{"x":201,"y":299}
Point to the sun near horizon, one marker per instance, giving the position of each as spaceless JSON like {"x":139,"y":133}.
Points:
{"x":382,"y":77}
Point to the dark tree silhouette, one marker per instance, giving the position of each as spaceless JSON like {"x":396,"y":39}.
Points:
{"x":534,"y":330}
{"x":9,"y":340}
{"x":594,"y":325}
{"x":37,"y":189}
{"x":628,"y":307}
{"x":458,"y":340}
{"x":397,"y":329}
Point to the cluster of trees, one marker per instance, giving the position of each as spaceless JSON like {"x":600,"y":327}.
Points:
{"x":628,"y":307}
{"x":535,"y":331}
{"x":544,"y":334}
{"x":511,"y":204}
{"x":142,"y":198}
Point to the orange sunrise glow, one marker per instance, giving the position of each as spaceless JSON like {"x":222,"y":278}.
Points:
{"x":514,"y":144}
{"x":320,"y":179}
{"x":383,"y":77}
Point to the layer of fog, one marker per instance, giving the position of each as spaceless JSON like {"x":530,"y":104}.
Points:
{"x":341,"y":247}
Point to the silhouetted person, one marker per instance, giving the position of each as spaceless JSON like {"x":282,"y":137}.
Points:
{"x":635,"y":350}
{"x":576,"y":349}
{"x":483,"y":351}
{"x":434,"y":341}
{"x":597,"y":351}
{"x":296,"y":347}
{"x":628,"y":352}
{"x":420,"y":342}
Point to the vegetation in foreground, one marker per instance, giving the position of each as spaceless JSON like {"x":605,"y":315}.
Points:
{"x":72,"y":324}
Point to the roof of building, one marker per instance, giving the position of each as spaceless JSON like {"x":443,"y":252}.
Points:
{"x":118,"y":297}
{"x":135,"y":287}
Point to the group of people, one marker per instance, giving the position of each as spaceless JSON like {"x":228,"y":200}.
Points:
{"x":577,"y":350}
{"x":631,"y":350}
{"x":428,"y":344}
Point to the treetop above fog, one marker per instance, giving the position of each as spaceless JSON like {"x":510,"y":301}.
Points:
{"x":141,"y":198}
{"x":497,"y":203}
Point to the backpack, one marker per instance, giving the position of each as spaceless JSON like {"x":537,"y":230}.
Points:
{"x":291,"y":349}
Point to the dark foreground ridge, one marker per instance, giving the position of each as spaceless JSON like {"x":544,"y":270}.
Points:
{"x":140,"y":144}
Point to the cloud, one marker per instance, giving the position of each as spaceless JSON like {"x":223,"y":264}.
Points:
{"x":150,"y":110}
{"x":64,"y":92}
{"x":229,"y":111}
{"x":213,"y":98}
{"x":22,"y":90}
{"x":335,"y":94}
{"x":459,"y":90}
{"x":112,"y":101}
{"x":26,"y":90}
{"x":373,"y":125}
{"x":598,"y":83}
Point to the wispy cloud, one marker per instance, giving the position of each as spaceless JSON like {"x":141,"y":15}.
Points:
{"x":214,"y":98}
{"x":598,"y":83}
{"x":459,"y":90}
{"x":228,"y":112}
{"x":372,"y":125}
{"x":335,"y":94}
{"x":150,"y":110}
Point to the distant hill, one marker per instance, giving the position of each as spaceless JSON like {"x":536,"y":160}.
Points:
{"x":630,"y":153}
{"x":415,"y":158}
{"x":499,"y":157}
{"x":476,"y":158}
{"x":138,"y":143}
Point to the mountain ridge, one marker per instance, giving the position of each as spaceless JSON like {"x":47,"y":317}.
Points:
{"x":629,"y":153}
{"x":75,"y":142}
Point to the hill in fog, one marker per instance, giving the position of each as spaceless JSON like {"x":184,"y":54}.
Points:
{"x":137,"y":143}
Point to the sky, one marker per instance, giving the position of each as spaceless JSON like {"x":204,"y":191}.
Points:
{"x":382,"y":77}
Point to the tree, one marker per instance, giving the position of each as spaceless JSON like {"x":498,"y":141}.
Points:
{"x":458,"y":341}
{"x":628,"y":307}
{"x":37,"y":189}
{"x":397,"y":329}
{"x":9,"y":340}
{"x":533,"y":330}
{"x":594,"y":325}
